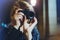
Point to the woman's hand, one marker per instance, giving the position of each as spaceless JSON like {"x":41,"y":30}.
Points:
{"x":28,"y":27}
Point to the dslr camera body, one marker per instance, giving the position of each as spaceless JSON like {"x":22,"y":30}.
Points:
{"x":29,"y":14}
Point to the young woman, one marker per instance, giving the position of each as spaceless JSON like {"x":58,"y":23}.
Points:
{"x":23,"y":23}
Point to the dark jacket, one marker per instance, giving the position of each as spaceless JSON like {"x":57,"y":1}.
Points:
{"x":10,"y":33}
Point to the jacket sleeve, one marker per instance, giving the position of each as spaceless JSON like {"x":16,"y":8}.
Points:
{"x":35,"y":34}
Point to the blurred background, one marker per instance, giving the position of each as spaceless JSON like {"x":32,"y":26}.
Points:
{"x":47,"y":13}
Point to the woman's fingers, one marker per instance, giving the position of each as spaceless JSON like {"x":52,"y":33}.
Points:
{"x":30,"y":26}
{"x":33,"y":24}
{"x":26,"y":25}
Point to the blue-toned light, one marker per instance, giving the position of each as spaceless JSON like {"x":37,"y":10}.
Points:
{"x":3,"y":25}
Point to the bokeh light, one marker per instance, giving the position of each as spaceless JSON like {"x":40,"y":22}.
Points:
{"x":33,"y":2}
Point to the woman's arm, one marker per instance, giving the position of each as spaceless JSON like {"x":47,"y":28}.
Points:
{"x":28,"y":27}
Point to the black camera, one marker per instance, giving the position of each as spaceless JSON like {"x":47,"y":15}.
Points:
{"x":29,"y":14}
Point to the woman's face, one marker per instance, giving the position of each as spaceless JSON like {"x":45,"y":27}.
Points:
{"x":18,"y":15}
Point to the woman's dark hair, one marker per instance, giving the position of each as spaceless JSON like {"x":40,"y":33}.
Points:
{"x":22,"y":5}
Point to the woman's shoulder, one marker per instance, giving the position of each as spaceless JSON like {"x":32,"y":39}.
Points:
{"x":11,"y":33}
